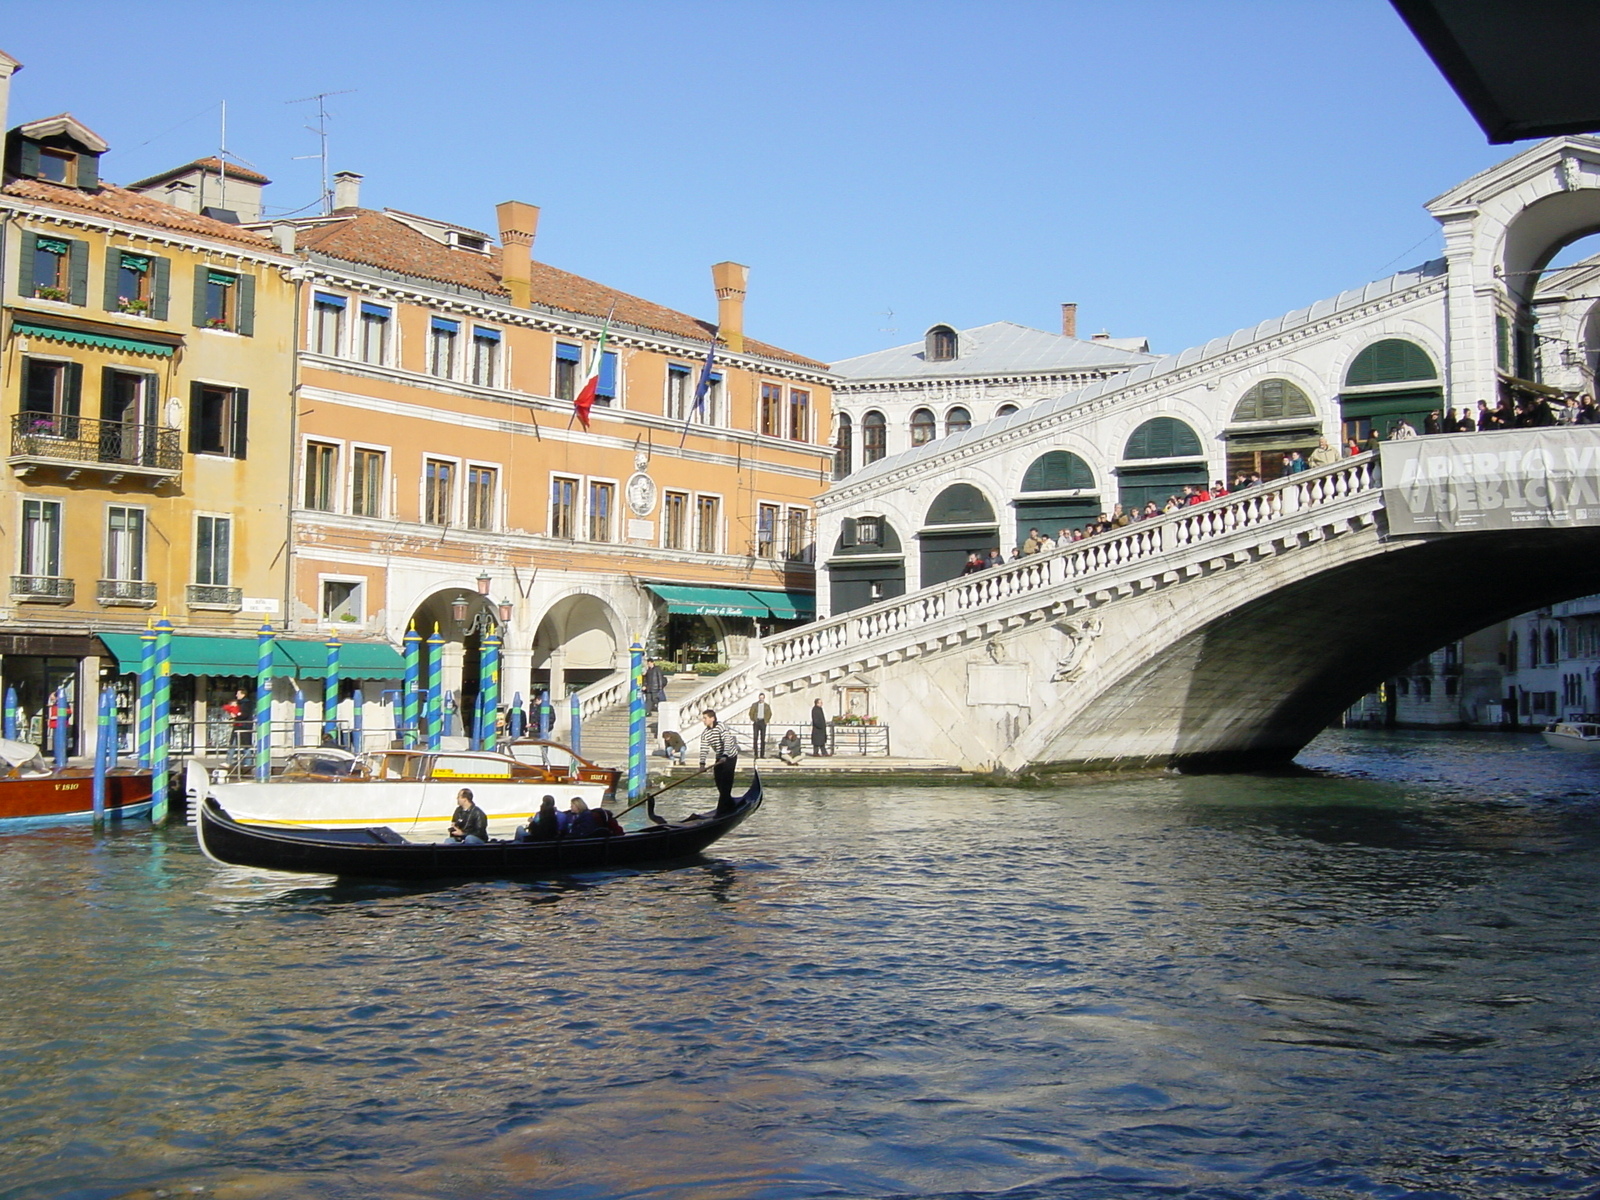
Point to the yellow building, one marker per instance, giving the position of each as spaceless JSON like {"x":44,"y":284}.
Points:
{"x":147,"y":366}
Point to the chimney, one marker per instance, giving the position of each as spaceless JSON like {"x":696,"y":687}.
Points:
{"x":283,"y":236}
{"x":346,"y":190}
{"x":1069,"y":320}
{"x":8,"y":67}
{"x":730,"y":280}
{"x":182,"y":194}
{"x":519,"y":225}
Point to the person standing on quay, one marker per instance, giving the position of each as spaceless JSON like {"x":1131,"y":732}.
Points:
{"x":719,"y":741}
{"x":760,"y":714}
{"x":655,"y":684}
{"x":819,"y":729}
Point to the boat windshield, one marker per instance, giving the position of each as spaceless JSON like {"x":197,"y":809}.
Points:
{"x":321,"y":762}
{"x":546,"y":754}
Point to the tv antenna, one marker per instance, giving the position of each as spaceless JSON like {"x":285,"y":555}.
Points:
{"x":223,"y":155}
{"x":321,"y":130}
{"x":888,"y":315}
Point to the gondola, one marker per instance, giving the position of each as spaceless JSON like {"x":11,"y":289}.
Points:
{"x":380,"y":853}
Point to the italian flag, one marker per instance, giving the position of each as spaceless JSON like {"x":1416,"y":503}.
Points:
{"x":584,"y":400}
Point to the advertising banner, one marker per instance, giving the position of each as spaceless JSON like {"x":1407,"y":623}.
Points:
{"x":1513,"y":479}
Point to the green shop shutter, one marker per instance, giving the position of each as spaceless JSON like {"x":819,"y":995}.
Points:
{"x":160,"y":287}
{"x":113,"y":271}
{"x":25,"y":277}
{"x":241,"y":420}
{"x":246,"y":310}
{"x":78,"y":266}
{"x":200,"y":274}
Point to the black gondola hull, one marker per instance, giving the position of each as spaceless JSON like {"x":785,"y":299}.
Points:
{"x":370,"y":854}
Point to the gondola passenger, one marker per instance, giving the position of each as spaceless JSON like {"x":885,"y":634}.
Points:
{"x":584,"y":822}
{"x":469,"y":824}
{"x":544,"y":825}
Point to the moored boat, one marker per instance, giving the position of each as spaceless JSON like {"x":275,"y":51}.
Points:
{"x":377,"y":852}
{"x":1574,"y":735}
{"x":34,"y":793}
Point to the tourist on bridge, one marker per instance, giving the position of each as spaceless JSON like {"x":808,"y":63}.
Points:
{"x":719,"y":742}
{"x":1323,"y":455}
{"x":975,"y":563}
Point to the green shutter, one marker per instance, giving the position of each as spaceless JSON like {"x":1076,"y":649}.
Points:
{"x":160,"y":288}
{"x":246,"y":310}
{"x":74,"y":389}
{"x":25,"y":279}
{"x":1162,"y":437}
{"x":113,"y":271}
{"x":88,"y":171}
{"x":1393,"y":360}
{"x":1058,"y":471}
{"x":241,"y":420}
{"x":847,"y":533}
{"x":78,"y":272}
{"x":28,"y":159}
{"x":200,"y":273}
{"x":196,"y":399}
{"x":107,"y":384}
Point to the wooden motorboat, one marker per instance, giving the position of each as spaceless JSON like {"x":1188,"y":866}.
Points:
{"x":1574,"y":735}
{"x":33,"y":792}
{"x":413,"y":791}
{"x":381,"y":853}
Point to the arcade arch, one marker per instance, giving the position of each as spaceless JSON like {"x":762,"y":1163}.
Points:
{"x":1058,"y":492}
{"x":1272,"y":419}
{"x":960,"y":522}
{"x":577,"y":641}
{"x":1389,"y":381}
{"x":1161,"y":458}
{"x":867,"y":564}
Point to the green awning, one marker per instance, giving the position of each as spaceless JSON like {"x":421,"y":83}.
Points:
{"x":709,"y":601}
{"x":76,"y":337}
{"x":194,"y":655}
{"x":787,"y":606}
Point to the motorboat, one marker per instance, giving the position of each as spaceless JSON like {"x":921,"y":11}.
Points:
{"x":412,"y":791}
{"x":1583,"y":736}
{"x":34,"y":792}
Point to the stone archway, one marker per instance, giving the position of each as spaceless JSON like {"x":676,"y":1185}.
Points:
{"x":577,"y":641}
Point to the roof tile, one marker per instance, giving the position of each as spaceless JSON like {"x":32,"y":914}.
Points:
{"x":123,"y":205}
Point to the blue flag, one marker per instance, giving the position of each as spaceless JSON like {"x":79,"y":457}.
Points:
{"x":703,"y":387}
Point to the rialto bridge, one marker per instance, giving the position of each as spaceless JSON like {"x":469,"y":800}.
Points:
{"x":1229,"y":632}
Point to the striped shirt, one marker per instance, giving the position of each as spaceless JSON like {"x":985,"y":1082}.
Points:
{"x":718,"y":742}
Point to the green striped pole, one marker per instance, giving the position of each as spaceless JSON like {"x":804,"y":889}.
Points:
{"x":488,"y":690}
{"x":330,"y":695}
{"x":636,"y":746}
{"x":263,"y":734}
{"x":435,"y":719}
{"x":147,"y":694}
{"x":408,"y":693}
{"x":160,"y":747}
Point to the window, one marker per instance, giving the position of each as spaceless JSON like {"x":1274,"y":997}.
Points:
{"x":133,"y":278}
{"x":341,"y":600}
{"x":57,"y":165}
{"x":766,"y":530}
{"x":221,"y":300}
{"x":869,"y":531}
{"x":798,"y":529}
{"x":218,"y":419}
{"x":563,"y":507}
{"x":957,"y":420}
{"x":322,"y":464}
{"x":605,"y":388}
{"x":678,"y":393}
{"x":568,"y":360}
{"x":771,"y":416}
{"x":602,"y":498}
{"x":327,"y":323}
{"x":41,"y":538}
{"x":675,"y":521}
{"x":874,"y":438}
{"x":375,"y":320}
{"x":923,"y":427}
{"x":366,"y":483}
{"x":213,"y":544}
{"x":224,"y":300}
{"x":480,"y":497}
{"x":711,"y":410}
{"x":485,"y":356}
{"x":50,"y":259}
{"x":799,"y":415}
{"x":940,"y":344}
{"x":707,"y":510}
{"x":50,"y":394}
{"x":438,"y":488}
{"x":843,"y":447}
{"x":442,"y":347}
{"x":124,"y":543}
{"x":1005,"y":410}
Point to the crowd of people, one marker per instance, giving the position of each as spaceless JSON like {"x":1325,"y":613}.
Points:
{"x":469,"y":824}
{"x":1526,"y":412}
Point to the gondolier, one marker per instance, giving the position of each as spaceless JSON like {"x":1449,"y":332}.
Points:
{"x":719,"y":743}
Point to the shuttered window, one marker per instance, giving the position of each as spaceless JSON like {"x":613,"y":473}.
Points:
{"x":1272,"y":400}
{"x":1058,"y":471}
{"x":219,"y":419}
{"x":1393,"y":360}
{"x":1162,"y":437}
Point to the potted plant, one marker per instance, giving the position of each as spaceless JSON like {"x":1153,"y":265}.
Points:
{"x":217,"y":323}
{"x":137,"y":307}
{"x":46,"y":292}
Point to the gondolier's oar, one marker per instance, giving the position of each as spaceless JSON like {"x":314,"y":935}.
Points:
{"x":651,"y":797}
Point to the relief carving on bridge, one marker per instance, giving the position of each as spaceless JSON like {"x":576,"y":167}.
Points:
{"x":1080,"y":635}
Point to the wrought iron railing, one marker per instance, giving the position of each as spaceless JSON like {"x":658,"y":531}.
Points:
{"x":215,"y":595}
{"x":87,"y":440}
{"x":43,"y":587}
{"x":125,"y":591}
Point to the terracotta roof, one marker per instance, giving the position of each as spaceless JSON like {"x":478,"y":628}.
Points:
{"x":376,"y":240}
{"x":123,"y":205}
{"x":212,"y":164}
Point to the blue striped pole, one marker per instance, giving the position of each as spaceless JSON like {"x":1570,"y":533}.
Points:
{"x":435,"y":719}
{"x":489,"y":690}
{"x":160,"y":749}
{"x":147,"y":696}
{"x":408,"y":690}
{"x":11,"y":714}
{"x":636,"y":745}
{"x":357,"y":718}
{"x":330,"y":695}
{"x":103,"y":750}
{"x":576,"y":740}
{"x":58,"y":725}
{"x":263,"y":722}
{"x":299,"y":715}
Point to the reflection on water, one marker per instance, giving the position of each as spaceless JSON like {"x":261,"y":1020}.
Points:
{"x":1371,"y":978}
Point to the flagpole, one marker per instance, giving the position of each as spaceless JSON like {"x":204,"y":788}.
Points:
{"x":701,"y":388}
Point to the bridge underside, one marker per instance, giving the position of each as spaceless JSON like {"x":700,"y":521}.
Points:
{"x":1249,"y":688}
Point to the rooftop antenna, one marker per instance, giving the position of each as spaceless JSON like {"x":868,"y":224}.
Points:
{"x":888,"y":315}
{"x":321,"y":130}
{"x":223,"y":155}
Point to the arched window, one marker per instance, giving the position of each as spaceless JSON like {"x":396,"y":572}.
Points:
{"x":1272,"y":400}
{"x":940,"y":344}
{"x":959,"y":524}
{"x":1371,"y":402}
{"x":1393,"y":360}
{"x":957,"y":420}
{"x":874,"y":437}
{"x":1005,"y":410}
{"x":1162,"y":437}
{"x":842,"y":447}
{"x":1058,"y":471}
{"x":960,"y":504}
{"x":1552,"y":652}
{"x":923,"y":427}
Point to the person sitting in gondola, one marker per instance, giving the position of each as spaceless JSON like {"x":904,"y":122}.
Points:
{"x":584,"y":822}
{"x":544,"y":825}
{"x":606,"y":823}
{"x":469,"y":824}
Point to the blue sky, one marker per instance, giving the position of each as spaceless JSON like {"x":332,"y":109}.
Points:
{"x":1179,"y":168}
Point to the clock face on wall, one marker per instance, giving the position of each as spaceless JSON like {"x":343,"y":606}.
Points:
{"x":642,"y":495}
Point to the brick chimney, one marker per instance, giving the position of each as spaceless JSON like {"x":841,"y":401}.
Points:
{"x":730,"y":279}
{"x":519,"y":225}
{"x":1069,"y":320}
{"x":346,"y":190}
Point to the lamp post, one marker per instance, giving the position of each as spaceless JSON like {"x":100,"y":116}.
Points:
{"x":489,"y":622}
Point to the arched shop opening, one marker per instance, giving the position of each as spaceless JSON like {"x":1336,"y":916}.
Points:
{"x":868,"y":564}
{"x":960,"y":523}
{"x":1390,"y":381}
{"x":1057,"y":493}
{"x":1161,"y":458}
{"x":1273,"y":419}
{"x":696,"y":624}
{"x":577,"y":642}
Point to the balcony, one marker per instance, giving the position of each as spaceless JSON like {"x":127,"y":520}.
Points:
{"x":112,"y":449}
{"x":136,"y":593}
{"x":211,"y":595}
{"x":42,"y":589}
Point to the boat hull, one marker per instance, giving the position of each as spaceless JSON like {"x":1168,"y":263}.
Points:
{"x":1563,"y":738}
{"x":370,"y":854}
{"x":69,"y":796}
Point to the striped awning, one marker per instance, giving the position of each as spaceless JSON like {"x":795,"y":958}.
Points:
{"x":83,"y":337}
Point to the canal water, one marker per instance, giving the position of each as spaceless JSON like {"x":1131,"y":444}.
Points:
{"x":1377,"y":978}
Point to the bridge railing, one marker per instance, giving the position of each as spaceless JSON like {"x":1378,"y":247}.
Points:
{"x":1189,"y":527}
